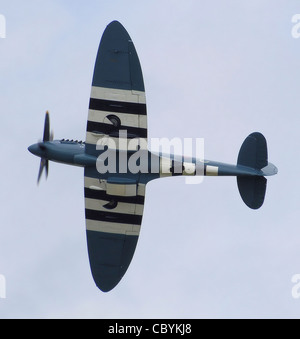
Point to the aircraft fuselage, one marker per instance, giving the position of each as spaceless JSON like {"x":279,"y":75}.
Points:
{"x":155,"y":165}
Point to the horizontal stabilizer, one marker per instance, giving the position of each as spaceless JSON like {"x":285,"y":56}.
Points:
{"x":253,"y":152}
{"x":252,"y":190}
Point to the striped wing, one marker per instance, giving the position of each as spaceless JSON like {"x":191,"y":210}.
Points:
{"x":112,"y":234}
{"x":118,"y":103}
{"x":117,"y":111}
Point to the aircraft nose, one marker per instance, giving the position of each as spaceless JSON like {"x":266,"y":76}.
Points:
{"x":34,"y":149}
{"x":31,"y":149}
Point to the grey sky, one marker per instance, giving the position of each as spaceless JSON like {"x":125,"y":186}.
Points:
{"x":212,"y":69}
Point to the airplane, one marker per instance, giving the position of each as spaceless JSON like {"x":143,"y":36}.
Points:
{"x":114,"y":200}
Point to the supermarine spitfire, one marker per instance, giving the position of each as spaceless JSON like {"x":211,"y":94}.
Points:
{"x":114,"y":201}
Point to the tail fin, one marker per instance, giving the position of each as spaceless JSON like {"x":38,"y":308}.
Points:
{"x":253,"y":154}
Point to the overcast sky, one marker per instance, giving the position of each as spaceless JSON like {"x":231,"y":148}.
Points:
{"x":217,"y":70}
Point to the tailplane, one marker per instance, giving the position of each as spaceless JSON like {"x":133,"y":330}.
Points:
{"x":252,"y":190}
{"x":254,"y":154}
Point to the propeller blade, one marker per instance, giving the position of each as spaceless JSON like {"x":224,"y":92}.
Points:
{"x":47,"y":137}
{"x":47,"y":168}
{"x":42,"y":165}
{"x":47,"y":128}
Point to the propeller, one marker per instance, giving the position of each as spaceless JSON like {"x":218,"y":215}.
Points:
{"x":44,"y":164}
{"x":46,"y":137}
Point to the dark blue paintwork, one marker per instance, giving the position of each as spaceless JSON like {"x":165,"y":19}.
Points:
{"x":117,"y":67}
{"x":70,"y":153}
{"x":117,"y":64}
{"x":110,"y":255}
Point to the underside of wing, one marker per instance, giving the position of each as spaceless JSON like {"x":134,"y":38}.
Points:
{"x":118,"y":104}
{"x":118,"y":117}
{"x":113,"y":224}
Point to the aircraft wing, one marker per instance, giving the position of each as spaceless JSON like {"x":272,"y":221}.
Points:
{"x":113,"y":203}
{"x":118,"y":101}
{"x":113,"y":226}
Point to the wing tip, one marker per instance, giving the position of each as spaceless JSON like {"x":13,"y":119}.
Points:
{"x":110,"y":256}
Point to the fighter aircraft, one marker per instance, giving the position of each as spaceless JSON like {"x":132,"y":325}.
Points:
{"x":117,"y":125}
